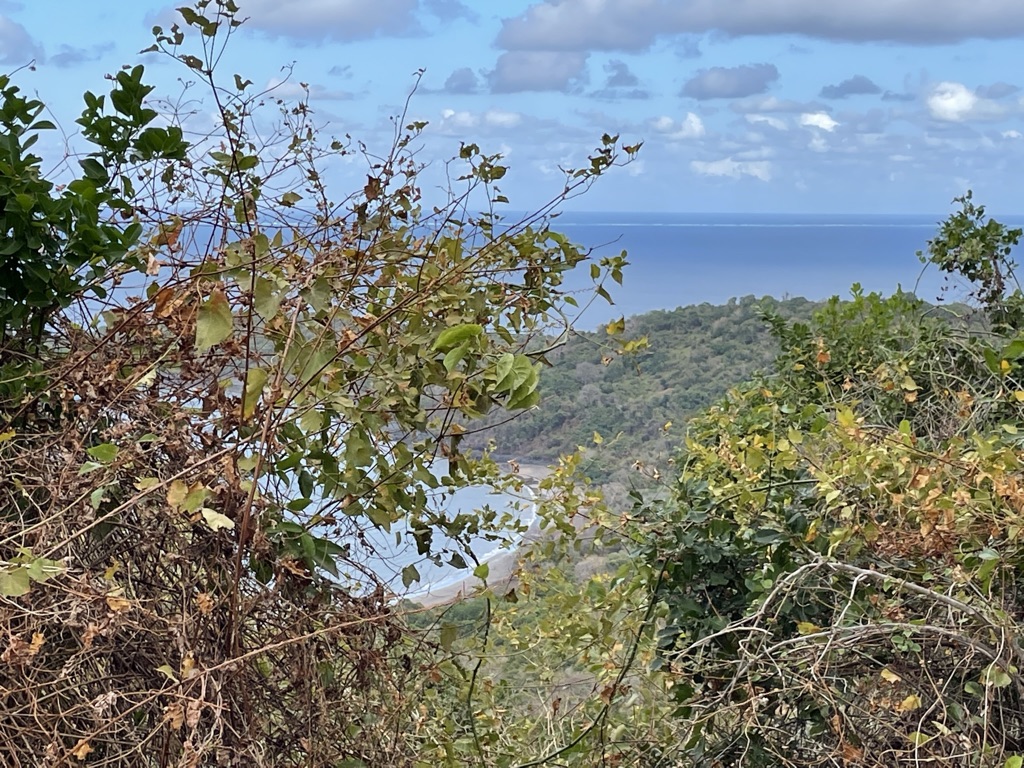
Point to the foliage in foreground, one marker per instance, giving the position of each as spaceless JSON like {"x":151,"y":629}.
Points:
{"x":841,"y":553}
{"x":221,"y":392}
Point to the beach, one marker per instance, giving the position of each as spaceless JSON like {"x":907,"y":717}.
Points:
{"x":502,"y":567}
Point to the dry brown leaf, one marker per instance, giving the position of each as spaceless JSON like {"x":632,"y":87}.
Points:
{"x":81,"y":750}
{"x":117,"y":603}
{"x":852,"y":754}
{"x":38,"y":638}
{"x":174,"y":715}
{"x":193,"y":711}
{"x":205,"y":603}
{"x":89,"y":635}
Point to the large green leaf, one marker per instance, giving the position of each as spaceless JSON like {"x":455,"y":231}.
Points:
{"x":214,"y":322}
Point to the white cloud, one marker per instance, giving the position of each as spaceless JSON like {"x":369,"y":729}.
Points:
{"x":774,"y":122}
{"x":502,"y":119}
{"x":452,"y":119}
{"x":733,"y":169}
{"x":758,"y":104}
{"x":956,"y":103}
{"x":818,"y":120}
{"x":16,"y":45}
{"x":517,"y":71}
{"x":635,"y":24}
{"x":331,"y":19}
{"x":690,"y":127}
{"x":1011,"y":134}
{"x":730,"y":82}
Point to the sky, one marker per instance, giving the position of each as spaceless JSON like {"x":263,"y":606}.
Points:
{"x":818,"y":106}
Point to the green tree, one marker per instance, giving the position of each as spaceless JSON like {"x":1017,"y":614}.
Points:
{"x":219,"y":383}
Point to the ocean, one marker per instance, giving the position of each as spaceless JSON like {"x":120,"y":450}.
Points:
{"x":681,"y":259}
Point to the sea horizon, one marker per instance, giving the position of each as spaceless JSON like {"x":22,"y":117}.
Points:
{"x":681,"y":259}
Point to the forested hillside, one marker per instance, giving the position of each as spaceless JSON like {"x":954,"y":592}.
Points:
{"x":691,"y":357}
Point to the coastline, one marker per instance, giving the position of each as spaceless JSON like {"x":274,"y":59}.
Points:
{"x":502,"y":567}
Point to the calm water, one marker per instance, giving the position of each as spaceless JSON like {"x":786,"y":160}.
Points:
{"x":680,"y":259}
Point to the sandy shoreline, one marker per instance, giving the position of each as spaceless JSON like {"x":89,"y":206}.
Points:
{"x":502,"y":567}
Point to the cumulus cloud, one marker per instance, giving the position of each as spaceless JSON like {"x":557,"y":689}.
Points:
{"x":462,"y":80}
{"x":1011,"y":134}
{"x":858,"y":85}
{"x":733,"y":169}
{"x":619,"y":75}
{"x":16,"y":45}
{"x":774,"y":122}
{"x":893,"y":96}
{"x":538,"y":71}
{"x":634,"y":25}
{"x":322,"y":20}
{"x":449,"y":10}
{"x":620,"y":83}
{"x":454,"y":121}
{"x":689,"y":127}
{"x":70,"y":56}
{"x":759,"y":104}
{"x":730,"y":82}
{"x":502,"y":118}
{"x":818,"y":120}
{"x":956,"y":103}
{"x":998,"y":90}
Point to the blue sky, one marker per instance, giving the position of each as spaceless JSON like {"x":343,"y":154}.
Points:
{"x":743,"y":105}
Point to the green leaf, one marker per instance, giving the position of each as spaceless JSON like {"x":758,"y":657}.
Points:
{"x":254,"y":384}
{"x":97,"y":496}
{"x":482,"y":571}
{"x":41,"y":569}
{"x":503,"y":372}
{"x":104,"y":453}
{"x":168,"y":671}
{"x":216,"y":520}
{"x":449,"y":634}
{"x":454,"y":357}
{"x":410,"y":575}
{"x":1016,"y":761}
{"x":266,"y":298}
{"x":452,"y":337}
{"x":14,"y":581}
{"x":992,"y":360}
{"x":93,"y":170}
{"x":1014,"y":349}
{"x":616,"y":327}
{"x":996,"y":676}
{"x":214,"y":322}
